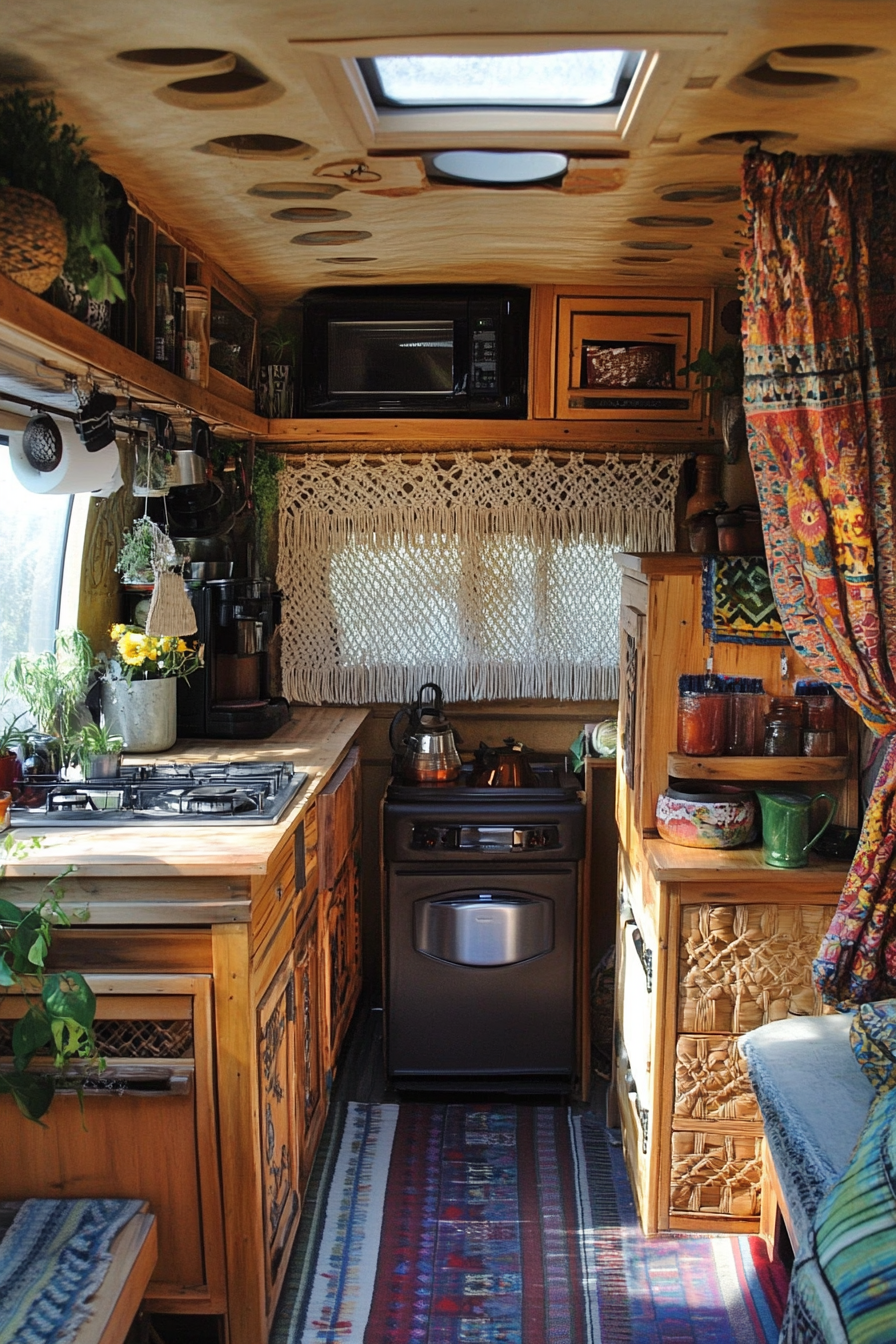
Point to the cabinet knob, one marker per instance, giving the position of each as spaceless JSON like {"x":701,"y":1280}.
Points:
{"x":279,"y":893}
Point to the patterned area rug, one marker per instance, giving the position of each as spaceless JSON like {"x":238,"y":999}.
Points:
{"x":498,"y":1224}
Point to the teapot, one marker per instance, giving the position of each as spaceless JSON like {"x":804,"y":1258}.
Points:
{"x":785,"y":826}
{"x":504,"y":767}
{"x":427,"y":745}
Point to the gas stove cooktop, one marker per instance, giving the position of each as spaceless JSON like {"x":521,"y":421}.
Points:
{"x":216,"y":793}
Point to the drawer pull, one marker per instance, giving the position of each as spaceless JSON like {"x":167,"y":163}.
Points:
{"x":147,"y":1082}
{"x":279,"y":893}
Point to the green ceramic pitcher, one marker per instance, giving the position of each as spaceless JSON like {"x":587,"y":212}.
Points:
{"x":785,"y":827}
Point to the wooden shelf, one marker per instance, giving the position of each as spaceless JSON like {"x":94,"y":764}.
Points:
{"x":793,"y":768}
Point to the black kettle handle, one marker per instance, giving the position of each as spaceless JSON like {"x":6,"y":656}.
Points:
{"x":436,"y":703}
{"x":397,"y":742}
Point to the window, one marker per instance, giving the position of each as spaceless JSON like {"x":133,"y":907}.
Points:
{"x":33,"y":535}
{"x":550,"y":79}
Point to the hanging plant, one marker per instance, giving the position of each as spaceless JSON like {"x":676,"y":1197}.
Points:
{"x":39,"y":153}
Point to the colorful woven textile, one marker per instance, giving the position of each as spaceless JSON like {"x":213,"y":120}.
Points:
{"x":52,"y":1260}
{"x":497,"y":1224}
{"x":872,"y":1036}
{"x":843,"y":1289}
{"x":820,"y":398}
{"x":738,"y":606}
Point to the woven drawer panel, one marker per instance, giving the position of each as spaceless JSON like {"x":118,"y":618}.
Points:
{"x":711,"y":1081}
{"x":716,"y":1173}
{"x":743,"y":965}
{"x":130,"y":1038}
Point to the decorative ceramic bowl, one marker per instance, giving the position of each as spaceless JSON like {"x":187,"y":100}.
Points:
{"x":713,"y":819}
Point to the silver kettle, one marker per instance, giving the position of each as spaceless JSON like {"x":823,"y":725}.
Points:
{"x":423,"y":740}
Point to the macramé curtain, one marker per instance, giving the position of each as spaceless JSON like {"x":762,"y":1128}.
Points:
{"x":819,"y":331}
{"x":490,"y":575}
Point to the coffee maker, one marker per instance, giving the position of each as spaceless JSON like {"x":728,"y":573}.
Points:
{"x":230,"y":695}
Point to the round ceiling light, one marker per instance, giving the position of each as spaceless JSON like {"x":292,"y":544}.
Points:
{"x":649,"y":245}
{"x":331,"y":237}
{"x":258,"y":146}
{"x":205,"y":60}
{"x":296,"y":191}
{"x":296,"y":214}
{"x":710,"y":193}
{"x":672,"y":221}
{"x":499,"y":167}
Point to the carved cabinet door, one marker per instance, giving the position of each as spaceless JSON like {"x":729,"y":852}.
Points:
{"x":277,"y":1039}
{"x":310,"y":1090}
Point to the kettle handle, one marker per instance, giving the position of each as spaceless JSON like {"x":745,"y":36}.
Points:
{"x":828,"y":819}
{"x":436,"y":703}
{"x":397,"y":742}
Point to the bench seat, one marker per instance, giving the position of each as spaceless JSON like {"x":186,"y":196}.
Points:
{"x":814,"y":1099}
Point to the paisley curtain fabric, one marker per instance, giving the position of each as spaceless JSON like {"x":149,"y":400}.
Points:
{"x":819,"y":331}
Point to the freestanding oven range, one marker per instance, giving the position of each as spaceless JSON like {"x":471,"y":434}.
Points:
{"x":480,"y":914}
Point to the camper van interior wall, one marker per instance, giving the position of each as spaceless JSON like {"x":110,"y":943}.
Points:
{"x":76,"y":471}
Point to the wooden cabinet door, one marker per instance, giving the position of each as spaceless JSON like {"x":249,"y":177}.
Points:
{"x":312,"y":1097}
{"x":340,"y":958}
{"x":338,"y":812}
{"x":620,"y":358}
{"x":276,"y":1037}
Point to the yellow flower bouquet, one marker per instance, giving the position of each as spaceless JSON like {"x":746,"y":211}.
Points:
{"x":149,"y":657}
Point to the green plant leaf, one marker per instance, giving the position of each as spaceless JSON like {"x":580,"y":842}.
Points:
{"x":6,"y":976}
{"x":32,"y":1092}
{"x":30,"y":1034}
{"x":69,"y":995}
{"x":9,"y":913}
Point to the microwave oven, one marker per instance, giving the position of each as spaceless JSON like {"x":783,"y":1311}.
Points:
{"x":415,"y":350}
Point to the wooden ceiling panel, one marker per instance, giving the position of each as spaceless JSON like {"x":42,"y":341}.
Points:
{"x":423,"y":231}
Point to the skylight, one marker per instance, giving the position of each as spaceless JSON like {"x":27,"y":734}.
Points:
{"x":562,"y":79}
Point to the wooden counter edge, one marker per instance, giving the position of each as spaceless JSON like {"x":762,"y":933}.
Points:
{"x":678,"y":863}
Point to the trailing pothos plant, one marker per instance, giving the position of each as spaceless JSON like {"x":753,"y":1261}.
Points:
{"x":61,"y":1007}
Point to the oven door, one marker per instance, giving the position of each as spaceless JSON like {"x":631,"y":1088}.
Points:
{"x":481,"y":972}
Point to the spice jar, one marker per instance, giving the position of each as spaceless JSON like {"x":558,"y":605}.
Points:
{"x":702,"y":723}
{"x":744,"y":724}
{"x":789,"y":707}
{"x":818,"y":742}
{"x":782,"y":737}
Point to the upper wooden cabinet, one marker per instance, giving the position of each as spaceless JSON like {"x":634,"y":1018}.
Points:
{"x":613,"y":357}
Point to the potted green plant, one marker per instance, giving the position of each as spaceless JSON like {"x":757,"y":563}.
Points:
{"x":52,"y":202}
{"x":53,"y":685}
{"x":276,"y":373}
{"x":722,"y":371}
{"x":134,"y":562}
{"x":58,"y":1021}
{"x":97,"y":750}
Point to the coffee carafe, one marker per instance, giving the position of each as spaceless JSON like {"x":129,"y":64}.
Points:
{"x":423,"y":740}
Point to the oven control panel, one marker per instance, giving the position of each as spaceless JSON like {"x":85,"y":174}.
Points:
{"x":481,"y":839}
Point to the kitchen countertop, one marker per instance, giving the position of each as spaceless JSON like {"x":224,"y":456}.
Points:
{"x":118,"y":870}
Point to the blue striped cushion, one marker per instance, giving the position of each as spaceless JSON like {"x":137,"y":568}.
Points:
{"x":843,"y":1289}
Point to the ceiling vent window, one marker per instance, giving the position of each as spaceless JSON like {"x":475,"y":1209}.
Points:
{"x":528,"y":80}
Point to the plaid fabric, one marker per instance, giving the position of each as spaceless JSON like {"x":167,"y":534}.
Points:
{"x":843,"y":1289}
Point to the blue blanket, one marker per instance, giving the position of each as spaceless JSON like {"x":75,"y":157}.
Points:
{"x":52,"y":1260}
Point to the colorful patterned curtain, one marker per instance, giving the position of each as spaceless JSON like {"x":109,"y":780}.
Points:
{"x":820,"y":356}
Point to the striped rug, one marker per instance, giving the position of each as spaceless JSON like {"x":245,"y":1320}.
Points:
{"x":502,"y":1224}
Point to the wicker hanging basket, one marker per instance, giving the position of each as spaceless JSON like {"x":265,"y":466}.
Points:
{"x":33,"y":241}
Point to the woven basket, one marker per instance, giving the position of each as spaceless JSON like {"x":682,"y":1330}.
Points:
{"x":33,"y":242}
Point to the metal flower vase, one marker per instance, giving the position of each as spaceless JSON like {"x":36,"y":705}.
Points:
{"x":143,"y":714}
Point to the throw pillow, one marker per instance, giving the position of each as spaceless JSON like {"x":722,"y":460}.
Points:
{"x":873,"y":1039}
{"x":843,"y":1287}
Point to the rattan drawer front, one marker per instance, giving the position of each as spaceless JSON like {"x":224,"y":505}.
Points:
{"x":711,"y":1081}
{"x":716,"y":1172}
{"x":743,"y":965}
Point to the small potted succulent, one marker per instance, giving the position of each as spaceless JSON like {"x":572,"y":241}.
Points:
{"x":277,"y":373}
{"x":98,"y":751}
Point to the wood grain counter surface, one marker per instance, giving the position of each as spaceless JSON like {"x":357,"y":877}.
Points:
{"x":681,"y":863}
{"x":195,"y":874}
